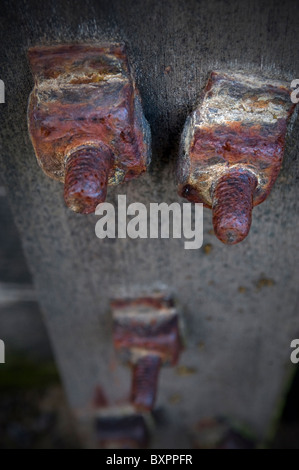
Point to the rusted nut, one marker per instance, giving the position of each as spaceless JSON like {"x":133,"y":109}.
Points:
{"x":232,"y":206}
{"x":85,"y":120}
{"x":86,"y":178}
{"x":145,"y":381}
{"x":232,"y":148}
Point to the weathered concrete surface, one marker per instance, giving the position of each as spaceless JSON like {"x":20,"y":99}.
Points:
{"x":240,"y":302}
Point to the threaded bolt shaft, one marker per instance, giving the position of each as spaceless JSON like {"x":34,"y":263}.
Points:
{"x":232,"y":206}
{"x":86,"y":178}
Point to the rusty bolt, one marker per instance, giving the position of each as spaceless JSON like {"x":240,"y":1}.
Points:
{"x":85,"y":120}
{"x":232,"y":206}
{"x":232,"y":148}
{"x":145,"y":381}
{"x":147,"y":335}
{"x":86,"y":178}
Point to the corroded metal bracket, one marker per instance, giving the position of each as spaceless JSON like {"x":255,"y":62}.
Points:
{"x":146,"y":332}
{"x":85,"y":120}
{"x":232,"y":148}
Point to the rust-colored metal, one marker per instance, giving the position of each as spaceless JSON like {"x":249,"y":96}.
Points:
{"x":232,"y":148}
{"x":146,"y":333}
{"x":85,"y":120}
